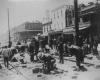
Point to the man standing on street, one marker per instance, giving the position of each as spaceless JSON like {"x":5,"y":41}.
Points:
{"x":32,"y":49}
{"x":5,"y":54}
{"x":36,"y":48}
{"x":60,"y":48}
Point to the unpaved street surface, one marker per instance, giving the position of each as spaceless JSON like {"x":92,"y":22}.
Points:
{"x":66,"y":71}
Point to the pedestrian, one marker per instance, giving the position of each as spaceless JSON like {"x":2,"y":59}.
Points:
{"x":43,"y":43}
{"x":54,"y":43}
{"x":32,"y":49}
{"x":65,"y":49}
{"x":6,"y":51}
{"x":51,"y":43}
{"x":61,"y":52}
{"x":85,"y":48}
{"x":36,"y":48}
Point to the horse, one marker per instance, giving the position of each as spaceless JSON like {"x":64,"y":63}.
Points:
{"x":78,"y":53}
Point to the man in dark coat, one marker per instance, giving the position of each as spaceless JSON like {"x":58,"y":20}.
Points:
{"x":61,"y":52}
{"x":32,"y":49}
{"x":36,"y":48}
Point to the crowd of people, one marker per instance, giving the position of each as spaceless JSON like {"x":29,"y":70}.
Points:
{"x":41,"y":50}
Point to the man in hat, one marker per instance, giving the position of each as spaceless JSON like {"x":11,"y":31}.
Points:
{"x":61,"y":52}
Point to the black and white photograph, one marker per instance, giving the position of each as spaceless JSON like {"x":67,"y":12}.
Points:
{"x":49,"y":39}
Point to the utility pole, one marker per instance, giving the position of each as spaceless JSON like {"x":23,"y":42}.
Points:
{"x":76,"y":22}
{"x":9,"y":42}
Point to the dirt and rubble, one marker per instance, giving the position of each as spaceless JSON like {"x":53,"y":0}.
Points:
{"x":66,"y":71}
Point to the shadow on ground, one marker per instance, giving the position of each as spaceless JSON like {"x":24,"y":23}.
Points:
{"x":97,"y":67}
{"x":53,"y":72}
{"x":82,"y":68}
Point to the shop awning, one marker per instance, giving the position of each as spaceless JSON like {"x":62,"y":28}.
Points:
{"x":56,"y":32}
{"x":45,"y":34}
{"x":84,"y":26}
{"x":71,"y":30}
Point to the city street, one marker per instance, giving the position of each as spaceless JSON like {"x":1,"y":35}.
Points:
{"x":49,"y":39}
{"x":66,"y":71}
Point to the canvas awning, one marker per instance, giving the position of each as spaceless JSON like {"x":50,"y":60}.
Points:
{"x":55,"y":32}
{"x":71,"y":30}
{"x":45,"y":34}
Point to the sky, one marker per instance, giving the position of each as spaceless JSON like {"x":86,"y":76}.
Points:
{"x":27,"y":10}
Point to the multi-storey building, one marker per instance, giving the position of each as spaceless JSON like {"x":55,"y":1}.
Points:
{"x":62,"y":18}
{"x":59,"y":20}
{"x":26,"y":31}
{"x":91,"y":15}
{"x":63,"y":22}
{"x":46,"y":28}
{"x":47,"y":25}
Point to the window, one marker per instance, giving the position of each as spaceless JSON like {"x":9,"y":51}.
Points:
{"x":62,"y":25}
{"x":58,"y":25}
{"x":54,"y":15}
{"x":58,"y":14}
{"x":47,"y":28}
{"x":61,"y":12}
{"x":50,"y":27}
{"x":44,"y":29}
{"x":70,"y":19}
{"x":54,"y":26}
{"x":73,"y":13}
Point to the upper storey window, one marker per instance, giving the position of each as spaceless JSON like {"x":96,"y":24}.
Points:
{"x":54,"y":15}
{"x":61,"y":13}
{"x":57,"y":14}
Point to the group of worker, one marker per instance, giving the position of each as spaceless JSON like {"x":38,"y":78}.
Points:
{"x":34,"y":48}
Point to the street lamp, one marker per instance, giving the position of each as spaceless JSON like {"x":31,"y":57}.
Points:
{"x":76,"y":22}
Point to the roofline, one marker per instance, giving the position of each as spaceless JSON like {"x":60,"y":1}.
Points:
{"x":88,"y":7}
{"x":60,"y":7}
{"x":28,"y":31}
{"x":47,"y":23}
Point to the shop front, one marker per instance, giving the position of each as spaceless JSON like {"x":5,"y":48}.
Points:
{"x":84,"y":33}
{"x":55,"y":34}
{"x":69,"y":34}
